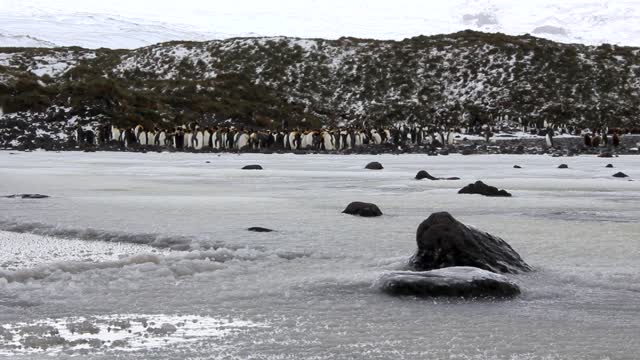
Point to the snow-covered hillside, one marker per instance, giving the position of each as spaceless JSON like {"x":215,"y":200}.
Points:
{"x":466,"y":76}
{"x":132,"y":24}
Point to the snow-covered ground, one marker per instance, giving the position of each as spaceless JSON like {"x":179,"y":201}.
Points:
{"x":306,"y":291}
{"x":131,"y":24}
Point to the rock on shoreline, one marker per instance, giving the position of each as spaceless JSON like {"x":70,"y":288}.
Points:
{"x":481,"y":188}
{"x":444,"y":242}
{"x":465,"y":282}
{"x":363,"y":209}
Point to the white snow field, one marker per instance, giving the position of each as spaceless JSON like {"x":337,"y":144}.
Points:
{"x":147,"y":256}
{"x":132,"y":24}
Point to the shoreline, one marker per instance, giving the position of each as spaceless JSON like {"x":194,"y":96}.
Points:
{"x":564,"y":147}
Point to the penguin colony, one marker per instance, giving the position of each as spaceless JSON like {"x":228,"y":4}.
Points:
{"x":193,"y":136}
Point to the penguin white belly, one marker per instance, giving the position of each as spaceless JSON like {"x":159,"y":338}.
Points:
{"x":377,"y":139}
{"x":328,"y":142}
{"x":292,"y":141}
{"x":242,"y":141}
{"x":198,"y":141}
{"x":115,"y":134}
{"x":428,"y":140}
{"x":162,"y":139}
{"x":151,"y":138}
{"x":217,"y":140}
{"x":143,"y":139}
{"x":139,"y":134}
{"x":187,"y":140}
{"x":358,"y":140}
{"x":548,"y":138}
{"x":206,"y":140}
{"x":450,"y":138}
{"x":306,"y":141}
{"x":223,"y":141}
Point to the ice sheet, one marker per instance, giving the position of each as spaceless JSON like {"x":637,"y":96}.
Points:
{"x":311,"y":280}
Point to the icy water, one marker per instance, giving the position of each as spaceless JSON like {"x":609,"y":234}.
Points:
{"x":146,"y":256}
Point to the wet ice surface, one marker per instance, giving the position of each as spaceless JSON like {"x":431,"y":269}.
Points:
{"x":112,"y":333}
{"x":306,"y":290}
{"x":25,"y":250}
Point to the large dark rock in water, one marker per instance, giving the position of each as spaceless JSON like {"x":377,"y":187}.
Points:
{"x":363,"y":209}
{"x":259,"y":229}
{"x":425,"y":175}
{"x":620,"y":175}
{"x":517,"y":167}
{"x":445,"y":242}
{"x":483,"y":189}
{"x":374,"y":166}
{"x":609,"y":166}
{"x":563,"y":166}
{"x":27,"y":196}
{"x":467,"y":282}
{"x":252,"y":167}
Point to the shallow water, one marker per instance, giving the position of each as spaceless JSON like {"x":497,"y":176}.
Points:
{"x":162,"y":238}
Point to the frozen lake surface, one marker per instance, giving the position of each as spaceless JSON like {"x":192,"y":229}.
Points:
{"x":147,"y":256}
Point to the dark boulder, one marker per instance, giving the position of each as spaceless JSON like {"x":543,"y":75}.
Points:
{"x":563,"y":166}
{"x":27,"y":196}
{"x":483,"y":189}
{"x":259,"y":229}
{"x":425,"y":175}
{"x":517,"y":167}
{"x":445,"y":242}
{"x":609,"y":166}
{"x":252,"y":167}
{"x":468,"y":152}
{"x":466,"y":282}
{"x":620,"y":175}
{"x":374,"y":166}
{"x":363,"y":209}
